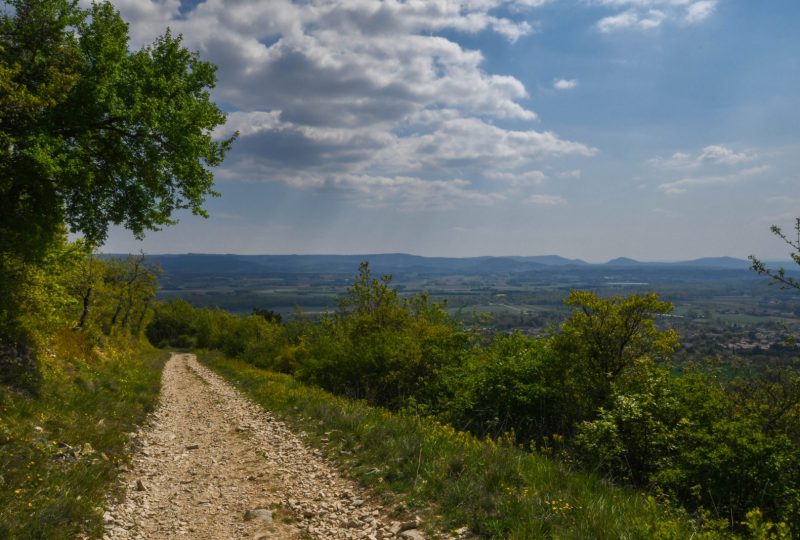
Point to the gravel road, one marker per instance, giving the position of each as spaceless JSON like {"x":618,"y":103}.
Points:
{"x":211,"y":464}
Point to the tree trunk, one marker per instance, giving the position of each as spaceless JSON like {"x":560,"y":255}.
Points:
{"x":87,"y":303}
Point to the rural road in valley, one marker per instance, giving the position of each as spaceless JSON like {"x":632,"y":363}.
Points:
{"x":212,"y":465}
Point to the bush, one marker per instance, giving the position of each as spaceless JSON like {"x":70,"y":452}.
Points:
{"x":382,"y":348}
{"x":686,"y":438}
{"x":506,"y":387}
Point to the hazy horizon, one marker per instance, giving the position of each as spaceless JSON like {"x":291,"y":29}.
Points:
{"x":365,"y":254}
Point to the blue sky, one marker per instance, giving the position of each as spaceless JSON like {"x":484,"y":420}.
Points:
{"x":654,"y":129}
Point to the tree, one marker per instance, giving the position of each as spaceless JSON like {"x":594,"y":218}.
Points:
{"x":779,"y":276}
{"x":134,"y":285}
{"x":381,"y":347}
{"x":612,"y":332}
{"x":92,"y":134}
{"x":268,"y":315}
{"x":604,"y":336}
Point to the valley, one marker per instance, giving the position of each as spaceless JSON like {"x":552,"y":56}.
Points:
{"x":722,"y":310}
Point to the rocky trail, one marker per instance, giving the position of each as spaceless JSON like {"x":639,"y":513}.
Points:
{"x":211,"y":464}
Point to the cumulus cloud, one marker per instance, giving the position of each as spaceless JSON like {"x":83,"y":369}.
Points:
{"x":713,"y":165}
{"x":573,"y":174}
{"x":684,"y":184}
{"x":710,"y":155}
{"x":632,"y":19}
{"x":650,"y":14}
{"x":699,"y":11}
{"x":720,"y":154}
{"x":565,"y":84}
{"x":373,"y":99}
{"x":545,"y":200}
{"x":524,"y":178}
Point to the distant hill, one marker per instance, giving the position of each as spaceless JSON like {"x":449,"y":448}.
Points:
{"x":718,"y":262}
{"x":552,"y":260}
{"x":404,"y":263}
{"x":729,"y":263}
{"x":624,"y":261}
{"x":381,"y":263}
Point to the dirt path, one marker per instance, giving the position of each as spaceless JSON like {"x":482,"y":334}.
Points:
{"x":213,"y":465}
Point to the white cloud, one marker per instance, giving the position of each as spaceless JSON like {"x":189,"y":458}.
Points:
{"x":545,"y":200}
{"x":632,"y":19}
{"x":699,"y":11}
{"x":526,"y":178}
{"x":782,"y":199}
{"x":573,"y":174}
{"x":710,"y":155}
{"x":684,"y":184}
{"x":625,"y":19}
{"x":528,"y":3}
{"x":446,"y":145}
{"x":403,"y":192}
{"x":565,"y":84}
{"x":365,"y":97}
{"x":650,"y":14}
{"x":720,"y":154}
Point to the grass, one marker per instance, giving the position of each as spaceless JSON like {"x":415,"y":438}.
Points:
{"x":496,"y":490}
{"x":60,"y":451}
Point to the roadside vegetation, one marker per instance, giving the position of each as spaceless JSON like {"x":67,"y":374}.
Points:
{"x":91,"y":135}
{"x":69,"y":398}
{"x":60,"y":452}
{"x":596,"y":396}
{"x":493,"y":487}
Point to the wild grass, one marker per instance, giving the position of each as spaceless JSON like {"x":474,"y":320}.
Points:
{"x":496,"y":490}
{"x":60,"y":451}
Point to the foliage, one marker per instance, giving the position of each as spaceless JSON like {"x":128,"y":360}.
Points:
{"x":597,"y":393}
{"x":172,"y":325}
{"x":268,"y":315}
{"x":72,"y":289}
{"x":632,"y":436}
{"x":60,"y":451}
{"x":495,"y":489}
{"x":92,"y":134}
{"x":687,"y":438}
{"x":603,"y":337}
{"x":780,"y":276}
{"x":508,"y":386}
{"x":381,"y":347}
{"x":538,"y":388}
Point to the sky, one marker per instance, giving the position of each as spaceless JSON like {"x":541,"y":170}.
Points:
{"x":652,"y":129}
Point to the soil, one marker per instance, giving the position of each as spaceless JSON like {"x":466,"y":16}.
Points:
{"x":210,"y":464}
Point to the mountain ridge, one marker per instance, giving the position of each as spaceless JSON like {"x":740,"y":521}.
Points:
{"x":397,"y":263}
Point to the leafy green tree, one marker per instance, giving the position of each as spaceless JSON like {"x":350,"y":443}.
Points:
{"x":173,"y":325}
{"x":381,"y":347}
{"x":268,"y":315}
{"x":92,"y":134}
{"x":605,"y":336}
{"x":134,"y":285}
{"x":698,"y":440}
{"x":508,"y":386}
